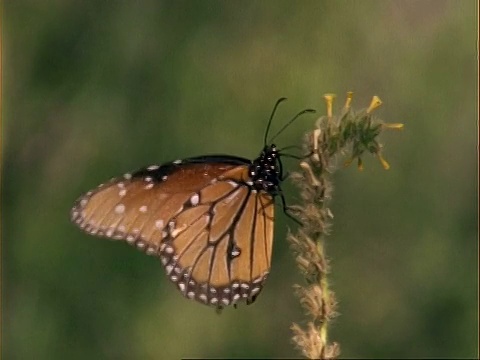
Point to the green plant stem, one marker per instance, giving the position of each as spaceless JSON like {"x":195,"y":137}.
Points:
{"x":352,"y":134}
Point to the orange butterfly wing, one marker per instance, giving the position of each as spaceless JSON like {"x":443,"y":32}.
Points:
{"x":211,"y":229}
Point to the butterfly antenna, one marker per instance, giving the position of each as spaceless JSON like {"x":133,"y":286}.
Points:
{"x":271,"y":118}
{"x":298,"y":157}
{"x":312,"y":111}
{"x":290,"y":147}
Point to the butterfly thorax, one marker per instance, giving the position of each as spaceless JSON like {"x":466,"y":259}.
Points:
{"x":265,"y":171}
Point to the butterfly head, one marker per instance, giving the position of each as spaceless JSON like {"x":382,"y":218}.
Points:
{"x":266,"y":170}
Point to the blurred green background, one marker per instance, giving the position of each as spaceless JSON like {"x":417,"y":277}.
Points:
{"x":94,"y":89}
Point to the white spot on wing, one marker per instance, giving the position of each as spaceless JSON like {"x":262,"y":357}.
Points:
{"x":232,"y":183}
{"x":255,"y":291}
{"x":143,"y":209}
{"x":195,"y":199}
{"x":159,"y":224}
{"x":109,"y":232}
{"x":176,"y":162}
{"x":122,"y":192}
{"x":153,"y":167}
{"x":120,"y":209}
{"x":127,"y":176}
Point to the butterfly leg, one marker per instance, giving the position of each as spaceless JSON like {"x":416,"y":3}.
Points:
{"x":286,"y":210}
{"x":285,"y":177}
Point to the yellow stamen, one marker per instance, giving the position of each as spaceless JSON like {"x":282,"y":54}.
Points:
{"x":360,"y":164}
{"x":349,"y":100}
{"x":376,"y":102}
{"x":393,"y":126}
{"x":329,"y":100}
{"x":384,"y":162}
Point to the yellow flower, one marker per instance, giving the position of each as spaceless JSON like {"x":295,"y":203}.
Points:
{"x":375,"y":103}
{"x":384,"y":162}
{"x":329,"y":100}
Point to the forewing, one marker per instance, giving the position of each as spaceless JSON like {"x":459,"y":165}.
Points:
{"x":212,"y":231}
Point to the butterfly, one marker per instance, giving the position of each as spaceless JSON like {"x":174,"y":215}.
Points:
{"x":209,"y":219}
